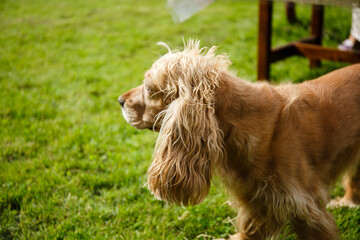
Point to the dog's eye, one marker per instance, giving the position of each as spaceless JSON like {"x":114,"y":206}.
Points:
{"x":148,"y":90}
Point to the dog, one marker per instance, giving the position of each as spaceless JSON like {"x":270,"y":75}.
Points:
{"x":279,"y":149}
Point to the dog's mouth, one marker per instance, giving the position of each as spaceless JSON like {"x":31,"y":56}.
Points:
{"x":143,"y":125}
{"x":134,"y":121}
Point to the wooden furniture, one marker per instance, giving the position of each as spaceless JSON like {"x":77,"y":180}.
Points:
{"x":290,"y":12}
{"x":309,"y":47}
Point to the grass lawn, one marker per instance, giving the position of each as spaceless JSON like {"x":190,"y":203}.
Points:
{"x":70,"y":167}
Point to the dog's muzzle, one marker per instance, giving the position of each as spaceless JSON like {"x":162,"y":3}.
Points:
{"x":121,"y":101}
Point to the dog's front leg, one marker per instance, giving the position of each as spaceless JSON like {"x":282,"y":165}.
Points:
{"x":242,"y":236}
{"x":252,"y":228}
{"x":320,"y":225}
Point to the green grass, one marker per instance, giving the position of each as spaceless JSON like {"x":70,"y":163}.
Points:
{"x":70,"y":167}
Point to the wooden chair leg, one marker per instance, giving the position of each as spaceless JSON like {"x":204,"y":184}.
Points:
{"x":264,"y":39}
{"x":290,"y":12}
{"x":317,"y":22}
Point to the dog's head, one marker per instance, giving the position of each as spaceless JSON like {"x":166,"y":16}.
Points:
{"x":177,"y":99}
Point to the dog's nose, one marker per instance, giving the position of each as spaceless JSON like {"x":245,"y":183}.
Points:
{"x":121,"y":101}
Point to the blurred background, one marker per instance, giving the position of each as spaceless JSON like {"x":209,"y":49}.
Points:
{"x":70,"y":166}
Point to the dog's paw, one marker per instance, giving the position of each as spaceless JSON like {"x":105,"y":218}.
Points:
{"x":341,"y":202}
{"x":237,"y":236}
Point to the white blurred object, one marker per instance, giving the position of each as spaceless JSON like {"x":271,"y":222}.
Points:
{"x":184,"y":9}
{"x":355,"y":23}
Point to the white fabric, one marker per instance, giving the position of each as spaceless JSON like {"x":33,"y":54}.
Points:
{"x":355,"y":23}
{"x":184,"y":9}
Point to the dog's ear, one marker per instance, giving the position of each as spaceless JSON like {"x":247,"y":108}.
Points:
{"x":190,"y":143}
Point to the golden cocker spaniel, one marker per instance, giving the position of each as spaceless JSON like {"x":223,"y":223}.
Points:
{"x":279,"y":149}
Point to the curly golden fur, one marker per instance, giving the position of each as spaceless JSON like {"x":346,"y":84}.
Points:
{"x":279,"y":149}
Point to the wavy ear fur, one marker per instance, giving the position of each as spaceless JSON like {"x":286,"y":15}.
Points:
{"x":190,"y":142}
